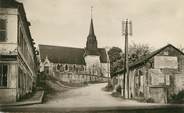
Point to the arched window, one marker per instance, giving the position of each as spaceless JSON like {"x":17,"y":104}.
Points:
{"x":58,"y":67}
{"x":66,"y":67}
{"x":82,"y":68}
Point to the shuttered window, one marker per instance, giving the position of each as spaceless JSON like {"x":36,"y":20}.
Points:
{"x":2,"y":30}
{"x":3,"y":75}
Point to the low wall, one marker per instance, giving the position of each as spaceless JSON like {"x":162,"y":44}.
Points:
{"x":79,"y":78}
{"x":7,"y":96}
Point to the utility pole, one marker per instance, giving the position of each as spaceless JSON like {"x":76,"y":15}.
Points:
{"x":108,"y":65}
{"x":126,"y":31}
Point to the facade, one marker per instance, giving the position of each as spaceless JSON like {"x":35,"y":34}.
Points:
{"x":156,"y":76}
{"x":87,"y":61}
{"x":17,"y":54}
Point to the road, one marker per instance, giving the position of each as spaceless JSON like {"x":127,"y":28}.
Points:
{"x":89,"y":96}
{"x":93,"y":99}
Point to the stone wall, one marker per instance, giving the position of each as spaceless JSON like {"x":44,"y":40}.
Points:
{"x":7,"y":95}
{"x":78,"y":77}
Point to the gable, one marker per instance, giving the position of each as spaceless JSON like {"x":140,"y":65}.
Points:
{"x":172,"y":51}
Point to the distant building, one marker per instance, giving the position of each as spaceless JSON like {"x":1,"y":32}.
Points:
{"x":18,"y":63}
{"x":89,"y":60}
{"x":156,"y":76}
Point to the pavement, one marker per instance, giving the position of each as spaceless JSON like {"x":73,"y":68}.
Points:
{"x":35,"y":99}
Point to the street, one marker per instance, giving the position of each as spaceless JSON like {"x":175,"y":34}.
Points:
{"x":93,"y":99}
{"x":89,"y":96}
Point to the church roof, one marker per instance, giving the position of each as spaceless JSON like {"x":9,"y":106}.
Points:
{"x":67,"y":55}
{"x":60,"y":54}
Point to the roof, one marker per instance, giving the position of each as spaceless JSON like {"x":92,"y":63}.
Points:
{"x":60,"y":54}
{"x":91,"y":52}
{"x":144,"y":59}
{"x":68,"y":55}
{"x":8,"y":4}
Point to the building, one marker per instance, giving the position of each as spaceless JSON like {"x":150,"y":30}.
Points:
{"x":17,"y":54}
{"x":90,"y":60}
{"x":156,"y":76}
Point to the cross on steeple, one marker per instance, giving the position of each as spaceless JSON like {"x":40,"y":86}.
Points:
{"x":91,"y":12}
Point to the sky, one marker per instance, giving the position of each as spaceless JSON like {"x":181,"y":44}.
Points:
{"x":66,"y":22}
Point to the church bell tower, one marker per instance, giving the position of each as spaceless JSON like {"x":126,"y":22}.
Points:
{"x":92,"y":55}
{"x":91,"y":44}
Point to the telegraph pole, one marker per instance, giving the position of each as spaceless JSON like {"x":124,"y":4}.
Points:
{"x":126,"y":31}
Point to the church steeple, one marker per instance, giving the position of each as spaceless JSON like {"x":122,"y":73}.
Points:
{"x":91,"y":44}
{"x":91,"y":39}
{"x":91,"y":29}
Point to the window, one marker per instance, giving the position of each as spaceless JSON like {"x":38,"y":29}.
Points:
{"x":46,"y":69}
{"x":58,"y":67}
{"x":2,"y":30}
{"x":3,"y":74}
{"x":66,"y":67}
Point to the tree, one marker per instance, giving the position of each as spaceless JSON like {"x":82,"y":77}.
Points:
{"x":116,"y":56}
{"x":136,"y":51}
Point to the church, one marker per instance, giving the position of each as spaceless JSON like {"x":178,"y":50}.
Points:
{"x":89,"y":60}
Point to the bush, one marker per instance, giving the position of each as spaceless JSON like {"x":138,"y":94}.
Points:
{"x":178,"y":98}
{"x":118,"y":89}
{"x":150,"y":100}
{"x":108,"y":87}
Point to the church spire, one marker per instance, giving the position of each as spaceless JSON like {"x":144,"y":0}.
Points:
{"x":91,"y":44}
{"x":91,"y":39}
{"x":91,"y":29}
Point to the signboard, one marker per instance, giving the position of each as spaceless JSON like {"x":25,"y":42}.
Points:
{"x":179,"y":81}
{"x":156,"y":77}
{"x":170,"y":62}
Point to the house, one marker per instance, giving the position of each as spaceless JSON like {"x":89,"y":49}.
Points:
{"x":18,"y":62}
{"x":75,"y":64}
{"x":156,"y":76}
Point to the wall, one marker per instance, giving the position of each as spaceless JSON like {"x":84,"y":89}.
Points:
{"x":93,"y":64}
{"x":156,"y":75}
{"x":27,"y":62}
{"x":78,"y":78}
{"x":105,"y":68}
{"x":10,"y":44}
{"x":8,"y":94}
{"x":71,"y":75}
{"x":9,"y":47}
{"x":18,"y":85}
